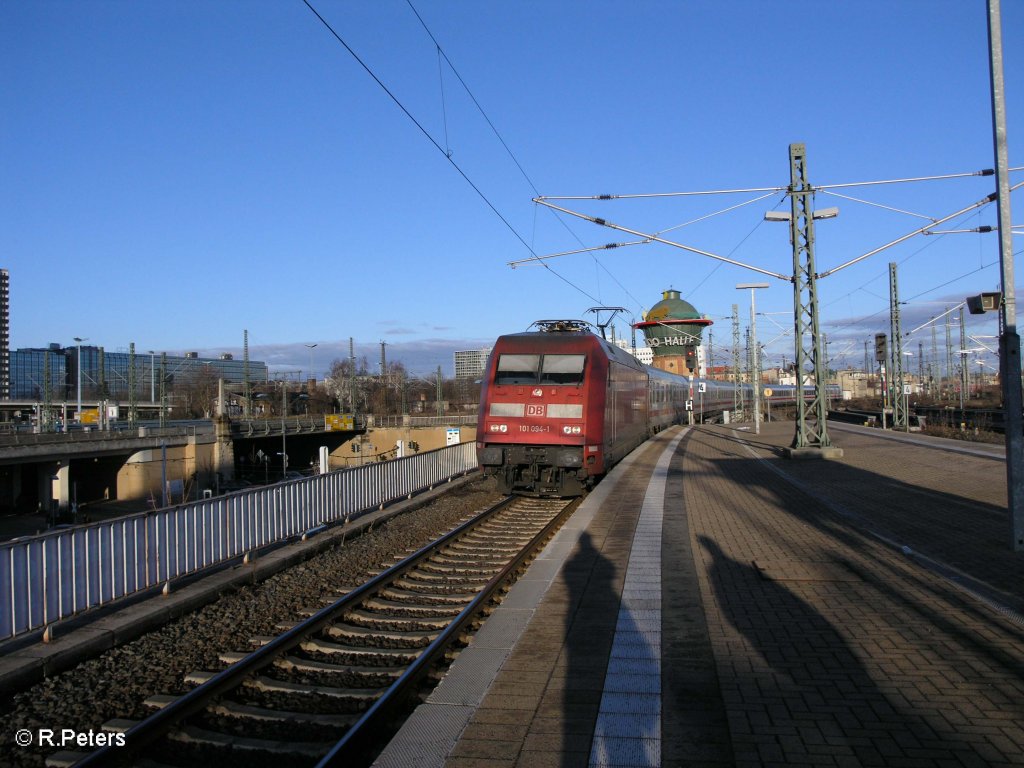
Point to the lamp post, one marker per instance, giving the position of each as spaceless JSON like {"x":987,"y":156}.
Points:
{"x":78,"y":365}
{"x":755,"y":374}
{"x":152,"y":376}
{"x":311,"y":347}
{"x":284,"y":428}
{"x":905,"y":394}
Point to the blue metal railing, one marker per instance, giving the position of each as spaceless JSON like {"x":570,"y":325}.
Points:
{"x":59,"y":574}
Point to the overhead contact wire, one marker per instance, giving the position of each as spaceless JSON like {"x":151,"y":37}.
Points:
{"x":418,"y":125}
{"x":515,"y":160}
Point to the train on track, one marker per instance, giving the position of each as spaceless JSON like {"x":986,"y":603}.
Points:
{"x":560,"y":405}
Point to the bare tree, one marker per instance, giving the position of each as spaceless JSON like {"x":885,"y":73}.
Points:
{"x":194,"y":398}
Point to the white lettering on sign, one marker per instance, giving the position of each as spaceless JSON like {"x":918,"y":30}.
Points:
{"x":689,"y":405}
{"x":534,"y":428}
{"x":670,"y":341}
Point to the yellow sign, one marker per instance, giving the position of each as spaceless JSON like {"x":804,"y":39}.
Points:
{"x":339,"y":422}
{"x":767,"y":392}
{"x":90,"y":416}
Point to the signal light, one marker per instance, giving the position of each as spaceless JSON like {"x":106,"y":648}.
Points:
{"x":881,"y":347}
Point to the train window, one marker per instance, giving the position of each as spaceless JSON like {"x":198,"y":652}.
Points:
{"x":517,"y":369}
{"x":562,"y":369}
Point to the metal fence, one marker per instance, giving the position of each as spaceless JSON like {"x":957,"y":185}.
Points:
{"x":58,"y":574}
{"x":421,"y":421}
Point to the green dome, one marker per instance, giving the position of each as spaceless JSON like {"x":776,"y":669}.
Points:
{"x":671,"y":307}
{"x":672,"y":324}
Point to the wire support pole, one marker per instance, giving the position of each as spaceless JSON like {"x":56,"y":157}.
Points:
{"x":769,"y":190}
{"x":1009,"y":339}
{"x":964,"y":381}
{"x":935,"y":319}
{"x":984,"y":201}
{"x":940,"y":177}
{"x":811,"y":429}
{"x":879,"y":205}
{"x":820,"y":187}
{"x":900,"y":419}
{"x":656,"y":239}
{"x":737,"y":390}
{"x":606,"y":247}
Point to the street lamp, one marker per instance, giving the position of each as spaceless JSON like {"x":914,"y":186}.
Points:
{"x":755,"y":374}
{"x":311,"y":347}
{"x":284,"y":429}
{"x":78,"y":365}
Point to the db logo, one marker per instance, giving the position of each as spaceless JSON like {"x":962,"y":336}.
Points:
{"x":535,"y":410}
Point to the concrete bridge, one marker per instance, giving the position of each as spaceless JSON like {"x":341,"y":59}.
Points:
{"x":68,"y":476}
{"x":56,"y":473}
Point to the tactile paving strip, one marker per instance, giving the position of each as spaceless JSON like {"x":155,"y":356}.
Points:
{"x":632,"y":687}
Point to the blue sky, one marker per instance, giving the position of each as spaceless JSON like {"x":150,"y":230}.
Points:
{"x":177,"y":173}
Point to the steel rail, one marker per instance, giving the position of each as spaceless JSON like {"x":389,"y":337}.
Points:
{"x":357,"y":738}
{"x":193,"y":702}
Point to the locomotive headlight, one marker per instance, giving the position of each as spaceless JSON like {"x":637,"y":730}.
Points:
{"x":575,"y":429}
{"x":499,"y":427}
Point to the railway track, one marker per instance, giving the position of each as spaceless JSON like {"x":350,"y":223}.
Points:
{"x":330,"y":689}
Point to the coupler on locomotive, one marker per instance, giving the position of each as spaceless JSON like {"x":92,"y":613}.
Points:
{"x":537,"y":470}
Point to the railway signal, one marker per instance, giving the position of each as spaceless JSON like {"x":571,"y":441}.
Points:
{"x":881,"y":347}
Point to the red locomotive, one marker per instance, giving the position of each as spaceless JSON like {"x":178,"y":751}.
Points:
{"x":561,"y":405}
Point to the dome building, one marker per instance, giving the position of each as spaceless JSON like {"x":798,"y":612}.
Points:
{"x":672,"y":329}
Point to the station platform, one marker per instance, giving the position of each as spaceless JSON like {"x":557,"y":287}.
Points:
{"x":712,"y":603}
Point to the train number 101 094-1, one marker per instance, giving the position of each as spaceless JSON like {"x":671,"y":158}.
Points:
{"x":534,"y":428}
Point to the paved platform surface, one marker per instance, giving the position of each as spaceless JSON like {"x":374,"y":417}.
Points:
{"x":713,"y":603}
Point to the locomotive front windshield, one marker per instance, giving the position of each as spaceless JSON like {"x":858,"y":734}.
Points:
{"x":540,"y":369}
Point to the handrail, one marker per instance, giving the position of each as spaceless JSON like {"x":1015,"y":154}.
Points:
{"x":62,"y":573}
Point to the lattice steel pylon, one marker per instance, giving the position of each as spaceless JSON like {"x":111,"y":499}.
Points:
{"x":737,"y":390}
{"x":949,"y":360}
{"x":965,"y":392}
{"x":811,"y":416}
{"x":899,"y":402}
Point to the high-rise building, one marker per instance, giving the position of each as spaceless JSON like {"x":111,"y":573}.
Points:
{"x":470,"y":363}
{"x":29,"y":380}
